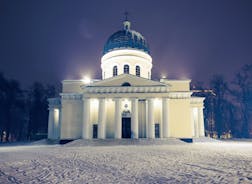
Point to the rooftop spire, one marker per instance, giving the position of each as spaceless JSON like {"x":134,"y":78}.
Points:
{"x":126,"y":15}
{"x":126,"y":23}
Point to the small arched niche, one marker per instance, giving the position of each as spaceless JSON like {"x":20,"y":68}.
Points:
{"x":126,"y":84}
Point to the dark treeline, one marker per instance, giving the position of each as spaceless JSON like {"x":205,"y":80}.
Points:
{"x":24,"y":113}
{"x":228,"y":108}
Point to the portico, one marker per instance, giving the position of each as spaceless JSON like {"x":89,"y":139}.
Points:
{"x":120,"y":107}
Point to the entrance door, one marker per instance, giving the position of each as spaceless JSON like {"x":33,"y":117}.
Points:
{"x":95,"y":131}
{"x":126,"y":128}
{"x":157,"y":131}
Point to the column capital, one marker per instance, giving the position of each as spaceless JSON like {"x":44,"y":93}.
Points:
{"x":117,"y":99}
{"x":86,"y":98}
{"x":51,"y":108}
{"x":134,"y":98}
{"x":200,"y":108}
{"x":150,"y":98}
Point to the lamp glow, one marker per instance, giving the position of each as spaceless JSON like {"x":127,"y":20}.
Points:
{"x":86,"y":80}
{"x":157,"y":102}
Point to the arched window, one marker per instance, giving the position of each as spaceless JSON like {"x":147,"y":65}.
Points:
{"x":126,"y":69}
{"x":115,"y":71}
{"x":126,"y":84}
{"x":138,"y":71}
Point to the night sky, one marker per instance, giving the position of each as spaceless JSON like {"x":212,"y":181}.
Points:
{"x":49,"y":40}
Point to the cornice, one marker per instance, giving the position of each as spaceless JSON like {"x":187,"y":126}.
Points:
{"x":71,"y":96}
{"x":128,"y":89}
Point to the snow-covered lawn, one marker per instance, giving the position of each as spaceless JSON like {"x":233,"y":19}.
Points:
{"x":224,"y":162}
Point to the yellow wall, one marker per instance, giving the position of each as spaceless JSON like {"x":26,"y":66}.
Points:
{"x":72,"y":86}
{"x":71,"y":120}
{"x":177,"y":85}
{"x":180,"y":118}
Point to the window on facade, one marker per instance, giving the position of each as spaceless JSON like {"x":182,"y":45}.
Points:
{"x":126,"y":69}
{"x":126,"y":84}
{"x":115,"y":71}
{"x":138,"y":71}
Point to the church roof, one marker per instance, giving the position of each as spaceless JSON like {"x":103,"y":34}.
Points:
{"x":133,"y":80}
{"x":126,"y":38}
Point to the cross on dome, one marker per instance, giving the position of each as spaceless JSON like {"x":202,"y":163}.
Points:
{"x":126,"y":15}
{"x":126,"y":23}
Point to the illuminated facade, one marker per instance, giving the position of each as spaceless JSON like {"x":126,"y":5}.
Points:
{"x":126,"y":103}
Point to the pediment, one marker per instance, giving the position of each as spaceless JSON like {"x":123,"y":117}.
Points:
{"x":127,"y":78}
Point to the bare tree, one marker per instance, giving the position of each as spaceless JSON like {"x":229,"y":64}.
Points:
{"x":220,"y":105}
{"x":243,"y":93}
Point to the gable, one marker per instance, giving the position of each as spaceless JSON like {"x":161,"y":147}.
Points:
{"x":127,"y":80}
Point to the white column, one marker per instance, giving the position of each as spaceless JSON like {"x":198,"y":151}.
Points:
{"x":134,"y":118}
{"x":151,"y":123}
{"x":56,"y":120}
{"x":86,"y":118}
{"x":146,"y":118}
{"x":196,"y":122}
{"x":165,"y":120}
{"x":102,"y":119}
{"x":50,"y":124}
{"x":201,"y":122}
{"x":118,"y":118}
{"x":192,"y":123}
{"x":59,"y":125}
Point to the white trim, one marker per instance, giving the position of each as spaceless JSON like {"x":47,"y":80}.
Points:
{"x":124,"y":89}
{"x":71,"y":96}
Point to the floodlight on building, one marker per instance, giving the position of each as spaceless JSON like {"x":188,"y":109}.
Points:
{"x":157,"y":102}
{"x":163,"y":75}
{"x":86,"y":80}
{"x":94,"y":104}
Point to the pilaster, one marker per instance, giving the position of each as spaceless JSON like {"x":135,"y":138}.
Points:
{"x":134,"y":118}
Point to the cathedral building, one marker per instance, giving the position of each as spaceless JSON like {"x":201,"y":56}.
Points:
{"x":126,"y":102}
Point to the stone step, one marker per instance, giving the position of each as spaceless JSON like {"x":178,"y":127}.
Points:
{"x":205,"y":139}
{"x":118,"y":142}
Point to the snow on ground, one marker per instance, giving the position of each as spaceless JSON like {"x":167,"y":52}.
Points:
{"x":215,"y":162}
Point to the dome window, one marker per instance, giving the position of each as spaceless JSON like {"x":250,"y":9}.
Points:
{"x":138,"y":71}
{"x":126,"y":84}
{"x":126,"y":69}
{"x":115,"y":71}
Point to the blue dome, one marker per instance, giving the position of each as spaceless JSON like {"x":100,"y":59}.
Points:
{"x":126,"y":38}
